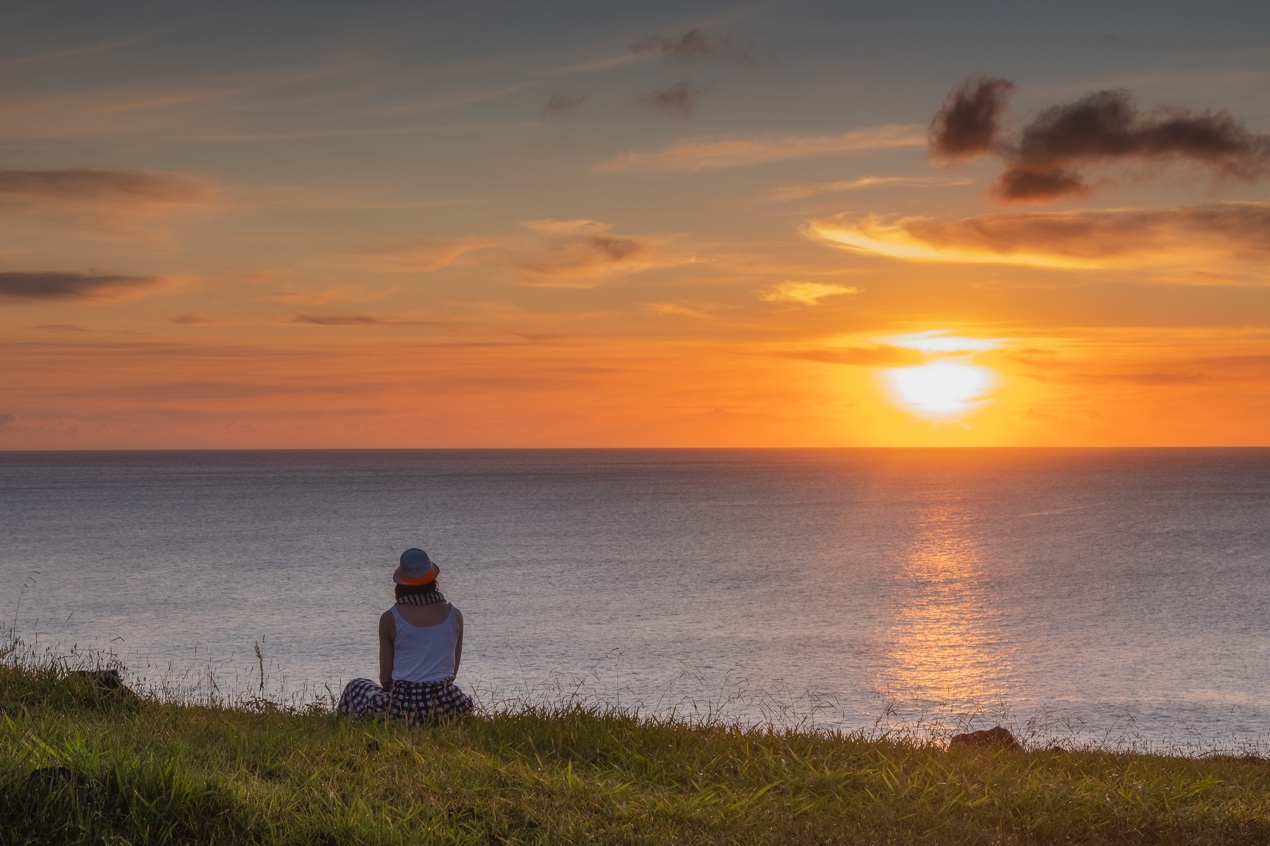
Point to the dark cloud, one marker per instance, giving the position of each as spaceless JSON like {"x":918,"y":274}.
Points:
{"x":1038,"y":185}
{"x":356,"y":320}
{"x":41,"y":286}
{"x":8,"y":418}
{"x":1050,"y":157}
{"x":60,"y":327}
{"x":693,"y":44}
{"x":679,"y":99}
{"x":969,"y":122}
{"x":1106,"y":127}
{"x":878,"y":355}
{"x":561,"y":103}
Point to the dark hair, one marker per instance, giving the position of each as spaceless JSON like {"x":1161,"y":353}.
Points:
{"x":414,"y":590}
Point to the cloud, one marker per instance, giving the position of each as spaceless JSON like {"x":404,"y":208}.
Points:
{"x":116,"y":201}
{"x":561,"y":103}
{"x":679,"y":99}
{"x":799,"y":192}
{"x":194,"y":390}
{"x":1051,"y":157}
{"x":804,"y":293}
{"x":969,"y":123}
{"x":940,"y":342}
{"x":878,"y":355}
{"x":424,"y":254}
{"x":192,"y":318}
{"x":1175,"y":367}
{"x":141,"y":108}
{"x":95,"y":186}
{"x":44,"y":286}
{"x":693,"y":44}
{"x":8,"y":418}
{"x":704,"y":153}
{"x":358,"y":320}
{"x":314,"y":296}
{"x":582,"y":254}
{"x":1076,"y":239}
{"x":699,"y":310}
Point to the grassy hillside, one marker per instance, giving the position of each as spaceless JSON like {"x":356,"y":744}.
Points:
{"x":81,"y":766}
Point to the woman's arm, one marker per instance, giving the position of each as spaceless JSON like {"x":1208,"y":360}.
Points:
{"x":387,"y":632}
{"x":458,"y":646}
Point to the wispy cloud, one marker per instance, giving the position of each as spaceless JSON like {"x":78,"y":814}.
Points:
{"x":88,"y":49}
{"x":193,"y":318}
{"x":707,"y":152}
{"x":680,"y":99}
{"x":693,"y":44}
{"x":804,"y":293}
{"x":558,"y":104}
{"x":424,"y":254}
{"x":98,"y":203}
{"x":685,"y":308}
{"x":133,"y":108}
{"x":1076,"y":239}
{"x":211,"y":389}
{"x":52,"y":286}
{"x":359,"y":320}
{"x":582,"y":254}
{"x":876,"y":355}
{"x":1053,"y":156}
{"x":320,"y":296}
{"x":84,"y":185}
{"x":799,"y":192}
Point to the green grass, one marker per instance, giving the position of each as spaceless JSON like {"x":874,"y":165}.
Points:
{"x":80,"y":767}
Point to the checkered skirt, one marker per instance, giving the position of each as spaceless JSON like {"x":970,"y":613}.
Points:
{"x":410,"y":701}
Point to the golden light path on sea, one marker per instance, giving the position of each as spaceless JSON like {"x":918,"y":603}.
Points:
{"x":947,"y":643}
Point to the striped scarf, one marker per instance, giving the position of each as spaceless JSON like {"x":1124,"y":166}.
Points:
{"x":421,"y":598}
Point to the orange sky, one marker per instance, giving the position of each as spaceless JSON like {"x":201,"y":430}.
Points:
{"x":780,"y":225}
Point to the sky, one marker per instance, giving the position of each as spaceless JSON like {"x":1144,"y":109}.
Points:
{"x":598,"y":224}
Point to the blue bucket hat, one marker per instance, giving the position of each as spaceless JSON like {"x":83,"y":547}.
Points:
{"x":416,"y":568}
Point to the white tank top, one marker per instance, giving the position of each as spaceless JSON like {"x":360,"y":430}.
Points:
{"x":424,"y":653}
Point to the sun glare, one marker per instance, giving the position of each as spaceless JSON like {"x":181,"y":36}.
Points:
{"x":941,"y":389}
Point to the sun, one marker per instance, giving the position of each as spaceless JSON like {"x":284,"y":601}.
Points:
{"x":941,"y":389}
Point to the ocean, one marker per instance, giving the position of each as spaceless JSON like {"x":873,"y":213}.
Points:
{"x":1116,"y":597}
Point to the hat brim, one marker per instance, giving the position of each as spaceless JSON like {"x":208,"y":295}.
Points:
{"x":427,"y":577}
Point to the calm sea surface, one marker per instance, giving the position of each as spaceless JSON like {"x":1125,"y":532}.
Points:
{"x":1118,"y":596}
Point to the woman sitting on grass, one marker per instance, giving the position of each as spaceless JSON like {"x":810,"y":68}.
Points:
{"x":420,"y":643}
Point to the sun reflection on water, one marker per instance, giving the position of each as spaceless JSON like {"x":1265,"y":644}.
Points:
{"x":947,"y":643}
